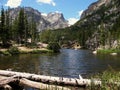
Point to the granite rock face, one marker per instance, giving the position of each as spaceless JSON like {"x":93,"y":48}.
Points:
{"x":101,"y":15}
{"x":51,"y":21}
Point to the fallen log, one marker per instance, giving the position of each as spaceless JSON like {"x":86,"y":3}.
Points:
{"x":51,"y":79}
{"x":7,"y":87}
{"x":6,"y":80}
{"x":41,"y":86}
{"x":28,"y":83}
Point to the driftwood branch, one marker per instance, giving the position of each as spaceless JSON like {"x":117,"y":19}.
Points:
{"x":7,"y":87}
{"x":51,"y":79}
{"x":37,"y":81}
{"x":25,"y":82}
{"x":4,"y":81}
{"x":7,"y":80}
{"x":37,"y":85}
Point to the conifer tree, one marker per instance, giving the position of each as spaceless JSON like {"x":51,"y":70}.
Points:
{"x":2,"y":24}
{"x":33,"y":31}
{"x":21,"y":26}
{"x":14,"y":30}
{"x":26,"y":36}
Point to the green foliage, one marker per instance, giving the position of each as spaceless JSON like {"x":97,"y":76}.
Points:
{"x":21,"y":25}
{"x":110,"y":80}
{"x":41,"y":51}
{"x":18,"y":30}
{"x":31,"y":45}
{"x":54,"y":46}
{"x":13,"y":50}
{"x":6,"y":53}
{"x":108,"y":51}
{"x":4,"y":28}
{"x":33,"y":31}
{"x":63,"y":36}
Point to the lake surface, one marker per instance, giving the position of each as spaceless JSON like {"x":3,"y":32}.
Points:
{"x":69,"y":63}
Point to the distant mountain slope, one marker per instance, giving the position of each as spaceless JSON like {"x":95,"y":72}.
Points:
{"x":51,"y":21}
{"x":102,"y":18}
{"x":102,"y":11}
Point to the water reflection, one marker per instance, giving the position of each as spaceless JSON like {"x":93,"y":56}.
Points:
{"x":69,"y":63}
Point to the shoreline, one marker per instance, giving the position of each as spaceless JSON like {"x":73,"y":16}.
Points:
{"x":24,"y":50}
{"x":107,"y":51}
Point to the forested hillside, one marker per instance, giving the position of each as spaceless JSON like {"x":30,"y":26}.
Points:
{"x":18,"y":30}
{"x":99,"y":27}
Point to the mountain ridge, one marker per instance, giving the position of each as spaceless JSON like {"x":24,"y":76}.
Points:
{"x":101,"y":19}
{"x":43,"y":22}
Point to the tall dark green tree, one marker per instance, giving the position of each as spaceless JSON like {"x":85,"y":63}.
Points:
{"x":7,"y":26}
{"x":14,"y":30}
{"x":33,"y":31}
{"x":21,"y":26}
{"x":2,"y":24}
{"x":26,"y":32}
{"x":4,"y":28}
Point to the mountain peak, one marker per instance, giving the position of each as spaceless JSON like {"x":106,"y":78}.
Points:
{"x":53,"y":20}
{"x":54,"y":17}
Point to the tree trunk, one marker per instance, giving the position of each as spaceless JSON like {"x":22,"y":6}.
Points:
{"x":51,"y":79}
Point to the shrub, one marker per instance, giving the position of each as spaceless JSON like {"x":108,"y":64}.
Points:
{"x":31,"y":45}
{"x":6,"y":53}
{"x":110,"y":80}
{"x":108,"y":51}
{"x":13,"y":50}
{"x":41,"y":51}
{"x":54,"y":46}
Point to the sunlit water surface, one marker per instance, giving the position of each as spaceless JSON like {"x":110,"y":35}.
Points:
{"x":68,"y":63}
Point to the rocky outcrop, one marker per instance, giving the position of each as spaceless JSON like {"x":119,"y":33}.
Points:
{"x":51,"y":21}
{"x":101,"y":12}
{"x":94,"y":7}
{"x":56,"y":20}
{"x":101,"y":15}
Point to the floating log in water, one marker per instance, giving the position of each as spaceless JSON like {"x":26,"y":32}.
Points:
{"x":50,"y":79}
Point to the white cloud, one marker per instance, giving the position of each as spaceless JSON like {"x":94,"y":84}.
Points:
{"x":58,"y":12}
{"x":72,"y":21}
{"x":51,"y":2}
{"x":44,"y":14}
{"x":13,"y":3}
{"x":80,"y":13}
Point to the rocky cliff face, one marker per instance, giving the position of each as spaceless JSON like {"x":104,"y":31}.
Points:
{"x":102,"y":11}
{"x":94,"y":7}
{"x":51,"y":21}
{"x":101,"y":15}
{"x":56,"y":20}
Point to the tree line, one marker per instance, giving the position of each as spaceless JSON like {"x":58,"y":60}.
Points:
{"x":85,"y":35}
{"x":18,"y":30}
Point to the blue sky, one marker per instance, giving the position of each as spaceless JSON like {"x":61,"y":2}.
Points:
{"x":71,"y":9}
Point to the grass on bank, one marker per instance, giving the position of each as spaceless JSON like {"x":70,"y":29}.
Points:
{"x":108,"y":51}
{"x":24,"y":50}
{"x":110,"y":81}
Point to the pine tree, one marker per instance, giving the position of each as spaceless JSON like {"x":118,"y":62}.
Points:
{"x":14,"y":30}
{"x":2,"y":24}
{"x":26,"y":30}
{"x":7,"y":27}
{"x":33,"y":31}
{"x":21,"y":26}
